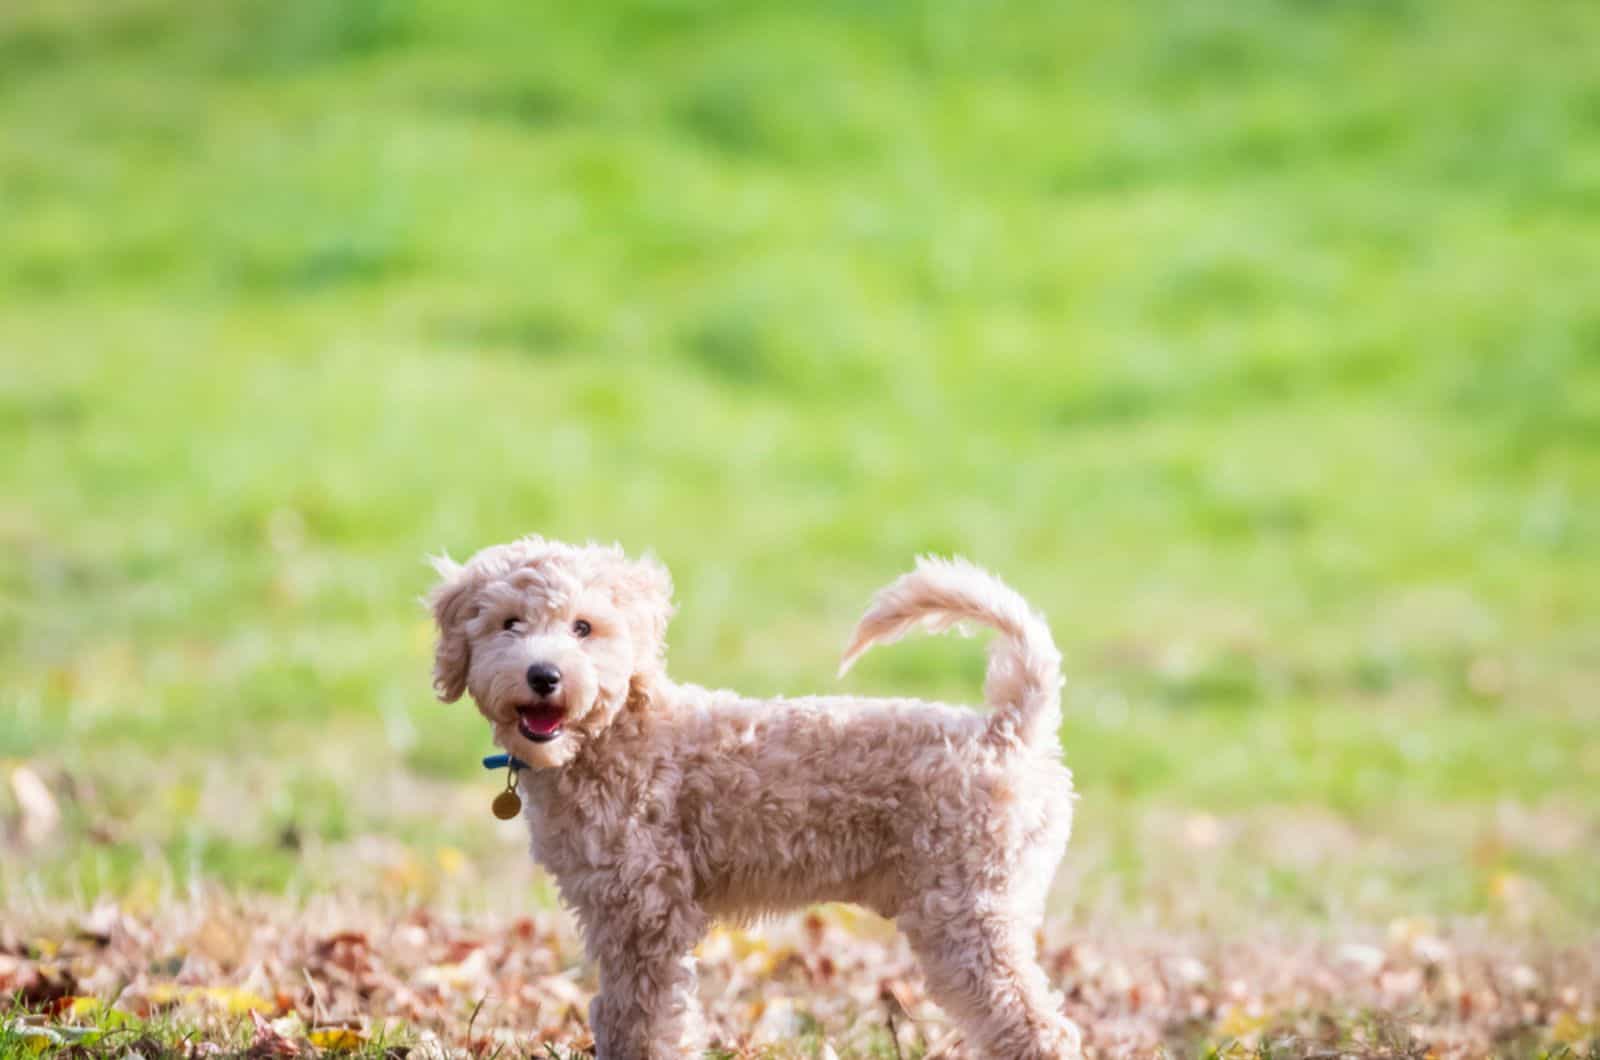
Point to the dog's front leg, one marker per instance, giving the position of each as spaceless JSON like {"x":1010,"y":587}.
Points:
{"x":647,"y":1008}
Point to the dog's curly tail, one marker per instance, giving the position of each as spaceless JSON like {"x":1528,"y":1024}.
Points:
{"x":1023,"y":685}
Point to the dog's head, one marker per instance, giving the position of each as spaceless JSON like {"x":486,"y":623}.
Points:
{"x":551,"y":640}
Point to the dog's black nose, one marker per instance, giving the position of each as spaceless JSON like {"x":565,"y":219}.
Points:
{"x":543,"y":678}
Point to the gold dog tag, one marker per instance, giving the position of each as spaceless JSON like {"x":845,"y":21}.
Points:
{"x":507,"y":805}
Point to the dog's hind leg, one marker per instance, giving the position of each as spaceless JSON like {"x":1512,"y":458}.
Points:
{"x":983,"y":973}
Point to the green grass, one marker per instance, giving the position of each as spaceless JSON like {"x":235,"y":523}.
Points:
{"x":1258,"y":343}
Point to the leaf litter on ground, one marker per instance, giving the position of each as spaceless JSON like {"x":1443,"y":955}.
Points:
{"x":214,"y":975}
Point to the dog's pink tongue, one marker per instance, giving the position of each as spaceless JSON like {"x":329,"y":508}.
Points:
{"x":543,"y":720}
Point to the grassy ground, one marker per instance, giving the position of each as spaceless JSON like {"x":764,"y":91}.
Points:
{"x":1258,"y":343}
{"x":209,"y":972}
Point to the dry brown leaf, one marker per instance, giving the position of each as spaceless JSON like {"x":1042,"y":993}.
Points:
{"x":268,"y":1042}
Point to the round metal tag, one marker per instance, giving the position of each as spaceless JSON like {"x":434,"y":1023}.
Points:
{"x":507,"y":805}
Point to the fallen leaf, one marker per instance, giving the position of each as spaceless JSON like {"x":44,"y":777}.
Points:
{"x":36,"y":806}
{"x":267,"y":1041}
{"x":35,"y":1038}
{"x":337,"y":1039}
{"x":1237,"y":1023}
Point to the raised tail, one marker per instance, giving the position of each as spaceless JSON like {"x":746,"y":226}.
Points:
{"x":1023,"y":685}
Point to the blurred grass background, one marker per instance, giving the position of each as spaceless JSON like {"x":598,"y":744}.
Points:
{"x":1258,"y":343}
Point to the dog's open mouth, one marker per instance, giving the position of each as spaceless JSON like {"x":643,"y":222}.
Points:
{"x":540,"y":722}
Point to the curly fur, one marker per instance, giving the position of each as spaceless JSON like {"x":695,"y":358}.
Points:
{"x":660,"y":806}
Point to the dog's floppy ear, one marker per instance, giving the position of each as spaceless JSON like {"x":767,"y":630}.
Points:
{"x":452,"y":602}
{"x":642,"y":589}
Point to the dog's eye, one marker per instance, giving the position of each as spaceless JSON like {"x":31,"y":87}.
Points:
{"x":581,"y":628}
{"x":509,"y":623}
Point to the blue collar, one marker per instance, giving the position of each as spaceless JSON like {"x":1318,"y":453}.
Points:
{"x":504,"y":762}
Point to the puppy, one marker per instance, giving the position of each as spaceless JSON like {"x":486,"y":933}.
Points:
{"x":659,"y":807}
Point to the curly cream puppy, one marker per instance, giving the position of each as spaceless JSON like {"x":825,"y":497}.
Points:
{"x":659,"y":806}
